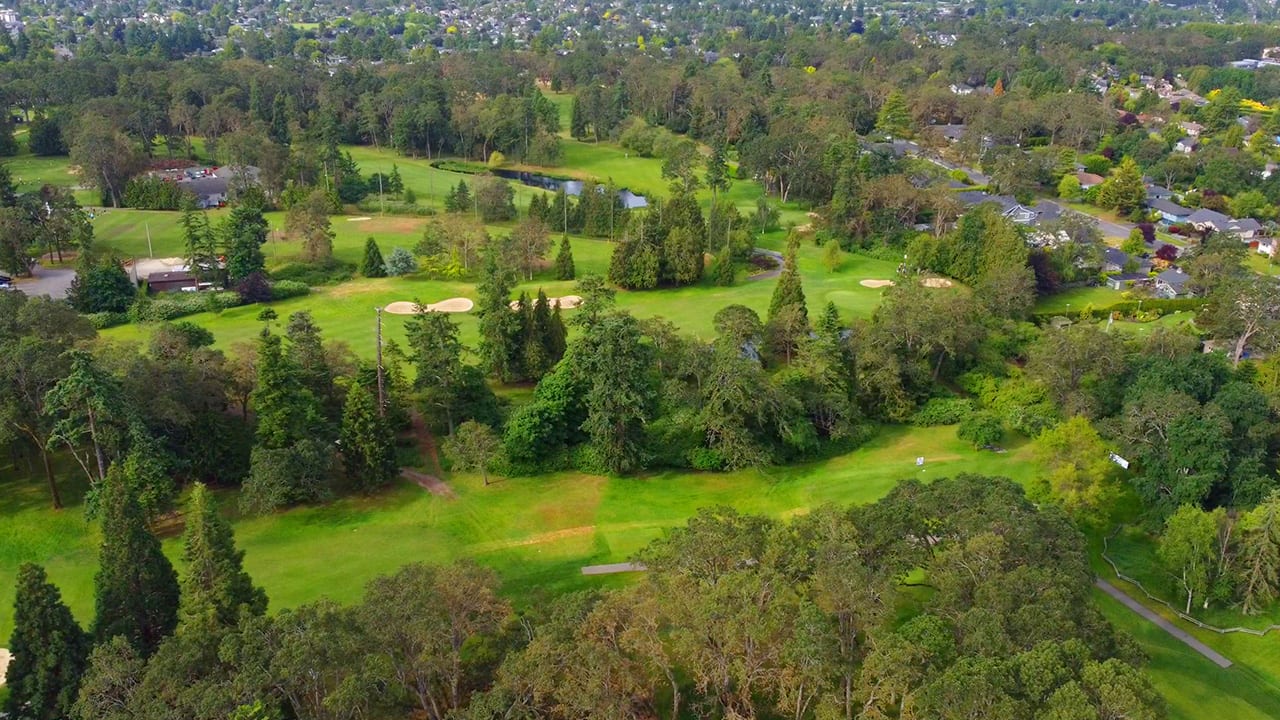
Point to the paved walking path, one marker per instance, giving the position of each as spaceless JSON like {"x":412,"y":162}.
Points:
{"x":1162,"y":623}
{"x":613,"y":568}
{"x":4,"y":664}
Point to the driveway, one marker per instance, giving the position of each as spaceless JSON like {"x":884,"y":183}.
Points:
{"x":53,"y":282}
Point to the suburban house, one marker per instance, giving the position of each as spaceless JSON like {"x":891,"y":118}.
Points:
{"x":1192,"y":129}
{"x":1203,"y":220}
{"x":1035,"y":215}
{"x":172,"y":281}
{"x":1113,"y":260}
{"x":1267,"y":246}
{"x":951,"y":133}
{"x":1170,"y":212}
{"x":1155,"y":192}
{"x":211,"y":185}
{"x":1171,"y":283}
{"x":1089,"y":180}
{"x":1124,"y":281}
{"x":1187,"y":145}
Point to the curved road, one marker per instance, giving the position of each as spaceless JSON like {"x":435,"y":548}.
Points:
{"x":775,"y":272}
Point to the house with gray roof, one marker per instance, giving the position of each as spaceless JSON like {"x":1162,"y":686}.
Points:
{"x":1170,"y":212}
{"x":1171,"y":284}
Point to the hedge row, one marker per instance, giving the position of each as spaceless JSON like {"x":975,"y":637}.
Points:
{"x":1126,"y":307}
{"x":170,"y":306}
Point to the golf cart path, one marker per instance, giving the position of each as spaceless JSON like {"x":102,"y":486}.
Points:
{"x":613,"y":568}
{"x":775,"y":272}
{"x":4,"y":664}
{"x":1162,"y":623}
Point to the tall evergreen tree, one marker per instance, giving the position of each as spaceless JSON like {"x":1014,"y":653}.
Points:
{"x":725,"y":271}
{"x":245,"y":232}
{"x":564,"y":260}
{"x":373,"y":265}
{"x":499,"y":327}
{"x":788,"y":291}
{"x":202,"y":245}
{"x":577,"y":120}
{"x":215,"y":588}
{"x":368,"y":442}
{"x":50,"y":651}
{"x":136,"y":589}
{"x":1260,"y":556}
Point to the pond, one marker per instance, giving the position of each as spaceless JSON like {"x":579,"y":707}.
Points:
{"x":629,"y":199}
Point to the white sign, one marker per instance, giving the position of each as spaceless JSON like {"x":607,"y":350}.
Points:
{"x":1118,"y":460}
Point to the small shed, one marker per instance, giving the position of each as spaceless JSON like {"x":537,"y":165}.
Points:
{"x":171,"y":281}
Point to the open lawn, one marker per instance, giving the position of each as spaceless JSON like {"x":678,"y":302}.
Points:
{"x":1077,"y":299}
{"x":536,"y":532}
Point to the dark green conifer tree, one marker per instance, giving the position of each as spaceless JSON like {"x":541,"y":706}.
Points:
{"x":368,"y":442}
{"x":725,"y":271}
{"x":373,"y":265}
{"x":788,"y":291}
{"x":499,"y":327}
{"x":136,"y":589}
{"x":50,"y":651}
{"x":564,"y":260}
{"x":215,"y":588}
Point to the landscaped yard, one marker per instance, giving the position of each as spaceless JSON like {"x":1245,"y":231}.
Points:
{"x":1074,"y":300}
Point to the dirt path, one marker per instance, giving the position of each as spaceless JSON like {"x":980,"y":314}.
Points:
{"x":427,"y":445}
{"x":430,"y":483}
{"x":4,"y":664}
{"x":1162,"y":623}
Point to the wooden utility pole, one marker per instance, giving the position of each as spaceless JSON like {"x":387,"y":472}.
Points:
{"x":382,"y":400}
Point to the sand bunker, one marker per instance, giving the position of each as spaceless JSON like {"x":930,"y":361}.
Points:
{"x":452,"y":305}
{"x":936,"y":282}
{"x":568,"y":302}
{"x":359,"y":219}
{"x":876,"y":283}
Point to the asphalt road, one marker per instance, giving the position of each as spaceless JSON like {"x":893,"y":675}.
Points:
{"x":53,"y":282}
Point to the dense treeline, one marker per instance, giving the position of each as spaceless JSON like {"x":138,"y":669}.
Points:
{"x":737,"y":615}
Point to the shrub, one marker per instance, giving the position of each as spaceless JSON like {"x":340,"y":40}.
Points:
{"x":170,"y":306}
{"x":254,"y":288}
{"x":981,"y":429}
{"x":313,"y":274}
{"x":943,"y":411}
{"x":706,"y":459}
{"x":284,"y":289}
{"x":104,"y":320}
{"x":401,"y":262}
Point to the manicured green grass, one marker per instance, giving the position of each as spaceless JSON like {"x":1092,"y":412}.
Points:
{"x":1261,"y":264}
{"x":1194,"y":687}
{"x":345,"y":311}
{"x":536,"y":532}
{"x":1077,"y":299}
